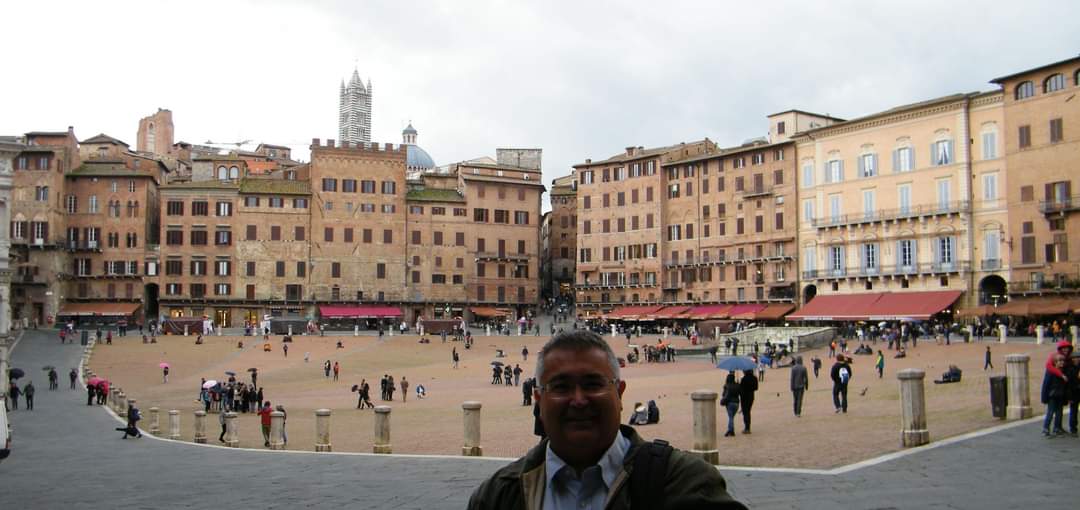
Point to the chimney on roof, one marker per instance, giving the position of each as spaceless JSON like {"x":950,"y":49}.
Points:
{"x":587,"y":161}
{"x":630,"y":151}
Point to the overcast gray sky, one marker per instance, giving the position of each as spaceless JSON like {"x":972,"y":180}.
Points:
{"x":577,"y":79}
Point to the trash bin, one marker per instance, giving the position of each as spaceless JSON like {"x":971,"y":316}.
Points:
{"x":999,"y":398}
{"x":85,"y":338}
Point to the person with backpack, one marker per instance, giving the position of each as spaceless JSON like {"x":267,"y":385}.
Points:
{"x":841,"y":376}
{"x":579,"y":397}
{"x":132,"y":428}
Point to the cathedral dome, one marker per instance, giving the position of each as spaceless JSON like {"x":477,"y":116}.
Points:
{"x":415,"y":157}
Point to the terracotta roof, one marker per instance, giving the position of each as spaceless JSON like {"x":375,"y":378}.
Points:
{"x":275,"y":186}
{"x":104,"y":138}
{"x":645,"y":153}
{"x":1034,"y":70}
{"x":898,"y":109}
{"x":506,"y":180}
{"x":106,"y":169}
{"x":434,"y":195}
{"x":207,"y":184}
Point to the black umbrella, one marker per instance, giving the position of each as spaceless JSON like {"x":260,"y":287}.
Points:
{"x":15,"y":373}
{"x":355,"y":387}
{"x":497,"y":363}
{"x":253,"y":370}
{"x":48,"y":367}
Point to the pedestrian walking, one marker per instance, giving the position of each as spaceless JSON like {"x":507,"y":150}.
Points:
{"x":132,"y":428}
{"x":326,"y":369}
{"x":454,"y":356}
{"x":72,"y":376}
{"x":525,"y":353}
{"x":880,"y":364}
{"x":404,"y":389}
{"x":390,"y":388}
{"x":54,"y":379}
{"x":730,"y":400}
{"x":987,"y":363}
{"x":841,"y":376}
{"x":799,"y":384}
{"x":221,"y":421}
{"x":91,"y":392}
{"x":747,"y":387}
{"x":14,"y":392}
{"x":28,"y":394}
{"x":285,"y":349}
{"x":337,"y":370}
{"x":165,"y":374}
{"x":517,"y":375}
{"x":1054,"y":388}
{"x":816,"y":361}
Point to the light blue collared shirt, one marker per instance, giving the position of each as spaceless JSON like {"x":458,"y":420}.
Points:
{"x":564,"y":490}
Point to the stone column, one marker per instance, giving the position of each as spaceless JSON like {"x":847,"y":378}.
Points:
{"x":174,"y":424}
{"x":1019,"y":397}
{"x":1075,"y":335}
{"x":970,"y":332}
{"x":1040,"y":334}
{"x":1003,"y":333}
{"x":277,"y":430}
{"x":155,"y":421}
{"x":322,"y":430}
{"x":232,"y":432}
{"x":382,"y":430}
{"x":913,"y":431}
{"x":121,"y":404}
{"x":472,"y":446}
{"x":705,"y":425}
{"x":4,"y":383}
{"x":200,"y":426}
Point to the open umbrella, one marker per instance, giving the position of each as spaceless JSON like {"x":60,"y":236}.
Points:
{"x":355,"y":387}
{"x":497,"y":363}
{"x":94,"y":381}
{"x":210,"y":383}
{"x":736,"y":363}
{"x":163,"y":365}
{"x":15,"y":373}
{"x":48,"y":367}
{"x":253,"y":370}
{"x":230,"y":372}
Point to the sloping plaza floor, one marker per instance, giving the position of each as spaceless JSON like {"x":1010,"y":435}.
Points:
{"x":67,"y":455}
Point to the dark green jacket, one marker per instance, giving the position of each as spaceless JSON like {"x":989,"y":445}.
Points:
{"x":690,"y":482}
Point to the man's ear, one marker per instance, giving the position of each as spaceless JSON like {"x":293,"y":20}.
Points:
{"x":621,"y":387}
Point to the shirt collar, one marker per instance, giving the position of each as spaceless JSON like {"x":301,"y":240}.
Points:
{"x":610,"y":462}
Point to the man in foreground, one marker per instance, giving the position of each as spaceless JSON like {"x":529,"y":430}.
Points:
{"x":588,"y":460}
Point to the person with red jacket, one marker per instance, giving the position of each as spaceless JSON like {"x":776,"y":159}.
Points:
{"x":264,"y":419}
{"x":1064,"y":348}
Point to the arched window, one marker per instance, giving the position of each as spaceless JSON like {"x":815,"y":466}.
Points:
{"x":135,"y":210}
{"x":1054,"y":83}
{"x":234,"y":173}
{"x":222,"y":173}
{"x":1025,"y":90}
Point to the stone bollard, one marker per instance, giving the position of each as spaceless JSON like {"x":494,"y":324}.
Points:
{"x":121,"y":404}
{"x":1040,"y":334}
{"x":472,"y":446}
{"x":200,"y":426}
{"x":155,"y":423}
{"x":219,"y":330}
{"x":716,"y":333}
{"x":1019,"y":396}
{"x":290,"y":329}
{"x":1003,"y":333}
{"x":613,"y":334}
{"x":185,"y":330}
{"x":970,"y":333}
{"x":705,"y":426}
{"x":232,"y":432}
{"x":382,"y":430}
{"x":356,"y":330}
{"x":322,"y":430}
{"x":277,"y":430}
{"x":913,"y":431}
{"x":666,"y":329}
{"x":1075,"y":334}
{"x":487,"y":330}
{"x":174,"y":424}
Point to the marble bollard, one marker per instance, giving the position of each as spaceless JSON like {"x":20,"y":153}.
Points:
{"x":232,"y":430}
{"x":471,"y":413}
{"x":155,"y":423}
{"x":356,"y":330}
{"x":121,"y":404}
{"x":322,"y":430}
{"x":1003,"y":333}
{"x":200,"y":426}
{"x":1019,"y":396}
{"x":277,"y":430}
{"x":913,"y":431}
{"x":1075,"y":334}
{"x":704,"y":409}
{"x":174,"y":424}
{"x":382,"y":430}
{"x":1040,"y":334}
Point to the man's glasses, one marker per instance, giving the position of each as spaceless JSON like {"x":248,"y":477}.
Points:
{"x":590,"y":386}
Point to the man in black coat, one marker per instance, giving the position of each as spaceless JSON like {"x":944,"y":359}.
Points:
{"x":841,"y":376}
{"x":747,"y":387}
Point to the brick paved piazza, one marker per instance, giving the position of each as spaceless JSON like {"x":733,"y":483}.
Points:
{"x":67,"y":455}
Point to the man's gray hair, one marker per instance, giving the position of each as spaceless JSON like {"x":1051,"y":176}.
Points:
{"x":576,"y":340}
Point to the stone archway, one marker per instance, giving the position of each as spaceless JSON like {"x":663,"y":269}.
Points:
{"x":993,"y":288}
{"x":150,"y":302}
{"x":808,"y":293}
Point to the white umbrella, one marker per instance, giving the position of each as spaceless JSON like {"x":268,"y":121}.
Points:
{"x":210,"y":383}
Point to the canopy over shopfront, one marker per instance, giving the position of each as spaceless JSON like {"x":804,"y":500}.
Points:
{"x":1038,"y":306}
{"x":632,"y":313}
{"x":877,"y":306}
{"x":487,"y":312}
{"x":707,"y":312}
{"x":115,"y":310}
{"x":358,"y":312}
{"x":765,"y":313}
{"x":671,"y":312}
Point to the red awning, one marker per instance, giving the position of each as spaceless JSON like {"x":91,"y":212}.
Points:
{"x":102,"y":309}
{"x":709,"y":312}
{"x":745,"y":311}
{"x":912,"y":305}
{"x":877,"y":306}
{"x":670,"y":312}
{"x":631,"y":312}
{"x":358,"y":312}
{"x":488,"y":312}
{"x":765,"y":312}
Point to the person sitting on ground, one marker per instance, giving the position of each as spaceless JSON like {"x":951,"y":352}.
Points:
{"x":240,"y":344}
{"x":640,"y":414}
{"x":199,"y":340}
{"x":953,"y":375}
{"x":900,"y":353}
{"x":420,"y":391}
{"x":654,"y":412}
{"x":340,"y":345}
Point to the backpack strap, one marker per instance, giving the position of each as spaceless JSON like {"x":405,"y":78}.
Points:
{"x":649,"y":474}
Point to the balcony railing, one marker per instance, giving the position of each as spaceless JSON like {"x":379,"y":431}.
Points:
{"x":755,"y":192}
{"x":892,"y":214}
{"x":593,"y":285}
{"x":1060,"y":205}
{"x":990,"y":264}
{"x":700,"y":261}
{"x":84,"y":245}
{"x":926,"y":268}
{"x":1050,"y":285}
{"x":486,"y":255}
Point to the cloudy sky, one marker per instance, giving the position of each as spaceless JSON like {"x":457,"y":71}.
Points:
{"x":577,"y":79}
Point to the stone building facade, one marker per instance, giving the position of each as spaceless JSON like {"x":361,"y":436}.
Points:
{"x":1041,"y":146}
{"x":562,"y":237}
{"x":155,"y":133}
{"x":904,"y":200}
